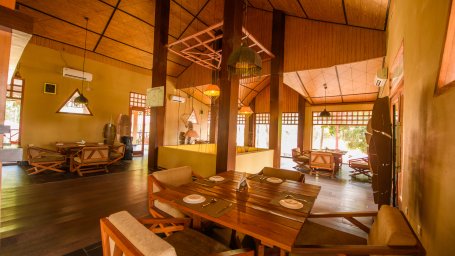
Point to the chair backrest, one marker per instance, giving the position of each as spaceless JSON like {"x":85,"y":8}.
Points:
{"x":95,"y":154}
{"x":390,"y":228}
{"x":322,"y":160}
{"x":173,"y":177}
{"x":283,"y":174}
{"x":296,"y":152}
{"x":121,"y":232}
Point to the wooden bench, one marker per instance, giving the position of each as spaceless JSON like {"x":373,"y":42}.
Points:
{"x":390,"y":234}
{"x":90,"y":159}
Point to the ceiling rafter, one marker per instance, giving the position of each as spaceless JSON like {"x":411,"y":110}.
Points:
{"x":339,"y":85}
{"x":107,"y":25}
{"x":91,"y":31}
{"x":303,"y":9}
{"x":304,"y":88}
{"x":344,"y":12}
{"x":195,"y":17}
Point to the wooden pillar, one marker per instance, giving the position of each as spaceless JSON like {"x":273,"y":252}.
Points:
{"x":5,"y":46}
{"x":276,"y":85}
{"x":250,"y":127}
{"x":301,"y":124}
{"x":213,"y":120}
{"x":159,"y":71}
{"x":229,"y":86}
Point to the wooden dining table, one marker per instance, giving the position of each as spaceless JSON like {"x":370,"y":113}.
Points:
{"x":251,"y":212}
{"x":68,"y":147}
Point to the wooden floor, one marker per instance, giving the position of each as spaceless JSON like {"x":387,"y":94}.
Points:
{"x":58,"y":216}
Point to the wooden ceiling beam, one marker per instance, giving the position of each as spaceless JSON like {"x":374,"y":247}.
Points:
{"x":303,"y":9}
{"x":339,"y":85}
{"x":344,"y":12}
{"x":107,"y":25}
{"x":12,"y":19}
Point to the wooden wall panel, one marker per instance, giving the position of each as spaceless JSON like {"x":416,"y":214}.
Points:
{"x":313,"y":44}
{"x":194,"y":75}
{"x":259,"y":24}
{"x":328,"y":10}
{"x":366,"y":13}
{"x":261,"y":4}
{"x":290,"y":101}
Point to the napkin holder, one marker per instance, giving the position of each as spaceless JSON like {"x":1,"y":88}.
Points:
{"x":242,"y":185}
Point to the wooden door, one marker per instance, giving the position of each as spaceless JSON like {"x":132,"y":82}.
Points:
{"x":138,"y":130}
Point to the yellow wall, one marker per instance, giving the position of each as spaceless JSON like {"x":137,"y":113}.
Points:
{"x":428,"y":126}
{"x":308,"y":132}
{"x":109,"y":97}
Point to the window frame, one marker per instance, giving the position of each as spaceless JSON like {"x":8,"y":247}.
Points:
{"x":448,"y":51}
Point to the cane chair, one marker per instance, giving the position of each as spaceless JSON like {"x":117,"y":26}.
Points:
{"x":300,"y":159}
{"x":122,"y":234}
{"x":322,"y":161}
{"x":44,"y":159}
{"x":360,"y":166}
{"x":90,"y":159}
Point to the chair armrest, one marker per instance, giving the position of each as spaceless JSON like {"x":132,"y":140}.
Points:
{"x":357,"y":249}
{"x":153,"y":180}
{"x":343,"y":214}
{"x":150,"y":221}
{"x":238,"y":252}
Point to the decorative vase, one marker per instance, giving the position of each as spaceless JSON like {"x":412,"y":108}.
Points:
{"x":109,"y":133}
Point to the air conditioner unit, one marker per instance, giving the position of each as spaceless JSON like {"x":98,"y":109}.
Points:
{"x":176,"y":98}
{"x":77,"y":74}
{"x":381,"y":77}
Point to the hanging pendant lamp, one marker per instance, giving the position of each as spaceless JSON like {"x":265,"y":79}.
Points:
{"x":244,"y":61}
{"x":81,"y":99}
{"x":245,"y":110}
{"x":212,"y":90}
{"x":325,"y":113}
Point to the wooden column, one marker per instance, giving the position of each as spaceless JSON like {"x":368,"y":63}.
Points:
{"x":157,"y":114}
{"x":5,"y":46}
{"x":213,"y":120}
{"x":276,"y":85}
{"x":229,"y":86}
{"x":301,"y":124}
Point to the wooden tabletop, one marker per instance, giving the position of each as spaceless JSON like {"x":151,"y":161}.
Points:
{"x":65,"y":146}
{"x":252,"y":212}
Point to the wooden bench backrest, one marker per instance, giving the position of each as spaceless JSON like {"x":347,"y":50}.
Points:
{"x":322,"y":160}
{"x":95,"y":154}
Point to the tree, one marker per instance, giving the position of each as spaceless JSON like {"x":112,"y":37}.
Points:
{"x":354,"y":136}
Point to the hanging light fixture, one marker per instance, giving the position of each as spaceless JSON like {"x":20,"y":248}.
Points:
{"x":212,"y":90}
{"x":325,"y":113}
{"x":243,"y":61}
{"x":81,"y":99}
{"x":245,"y":110}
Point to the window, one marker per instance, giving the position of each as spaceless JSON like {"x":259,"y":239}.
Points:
{"x":71,"y":108}
{"x":241,"y":130}
{"x":137,"y":100}
{"x":343,"y":130}
{"x":14,"y":90}
{"x":289,"y":129}
{"x":262,"y":130}
{"x":447,"y":71}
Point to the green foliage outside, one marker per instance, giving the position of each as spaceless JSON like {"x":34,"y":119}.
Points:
{"x":354,"y":136}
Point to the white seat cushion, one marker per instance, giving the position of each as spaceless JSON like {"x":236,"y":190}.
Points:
{"x":143,"y":239}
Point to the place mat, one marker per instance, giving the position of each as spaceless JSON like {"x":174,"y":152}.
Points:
{"x":216,"y":209}
{"x":309,"y":201}
{"x":210,"y":183}
{"x":262,"y":178}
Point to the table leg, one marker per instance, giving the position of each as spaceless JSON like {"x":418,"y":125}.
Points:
{"x":261,"y":250}
{"x":197,"y":222}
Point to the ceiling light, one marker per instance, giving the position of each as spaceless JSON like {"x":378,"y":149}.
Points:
{"x":245,"y":110}
{"x":212,"y":90}
{"x":325,"y":113}
{"x":81,"y":99}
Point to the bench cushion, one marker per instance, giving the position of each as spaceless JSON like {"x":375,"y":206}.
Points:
{"x":390,"y":228}
{"x":282,"y":173}
{"x":143,"y":239}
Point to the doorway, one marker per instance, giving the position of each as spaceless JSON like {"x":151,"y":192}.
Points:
{"x":140,"y":123}
{"x":13,"y":111}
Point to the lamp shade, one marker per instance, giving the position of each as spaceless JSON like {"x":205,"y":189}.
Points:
{"x":191,"y":134}
{"x":212,"y":90}
{"x":81,"y":100}
{"x":245,"y":63}
{"x":324,"y":113}
{"x":245,"y":110}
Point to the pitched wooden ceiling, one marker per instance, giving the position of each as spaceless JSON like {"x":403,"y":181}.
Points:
{"x":123,"y":29}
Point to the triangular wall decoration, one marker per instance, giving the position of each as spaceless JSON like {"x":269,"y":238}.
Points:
{"x":193,"y":117}
{"x":69,"y":107}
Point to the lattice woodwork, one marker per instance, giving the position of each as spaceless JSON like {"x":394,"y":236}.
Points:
{"x":137,"y":100}
{"x":262,"y":118}
{"x":290,"y":118}
{"x":240,"y":119}
{"x":198,"y":47}
{"x":343,"y":118}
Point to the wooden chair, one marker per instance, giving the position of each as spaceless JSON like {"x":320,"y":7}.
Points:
{"x":283,"y":174}
{"x":90,"y":159}
{"x":116,"y":153}
{"x":122,"y":234}
{"x":322,"y":161}
{"x":300,"y":159}
{"x":44,"y":159}
{"x":360,"y":166}
{"x":390,"y":234}
{"x":158,"y":181}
